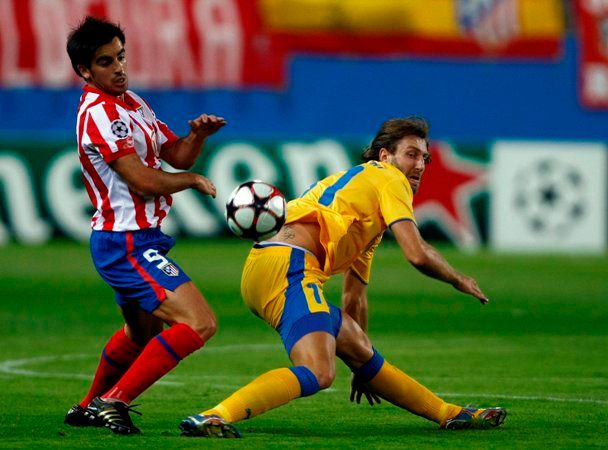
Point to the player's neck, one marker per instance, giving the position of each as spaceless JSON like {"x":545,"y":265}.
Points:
{"x":94,"y":86}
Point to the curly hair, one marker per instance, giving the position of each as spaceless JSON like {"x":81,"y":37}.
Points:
{"x":392,"y":131}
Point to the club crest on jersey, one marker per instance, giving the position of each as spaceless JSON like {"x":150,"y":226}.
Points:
{"x":170,"y":270}
{"x":120,"y":129}
{"x":124,"y":144}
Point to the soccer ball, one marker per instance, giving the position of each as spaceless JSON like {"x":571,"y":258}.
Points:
{"x":255,"y":210}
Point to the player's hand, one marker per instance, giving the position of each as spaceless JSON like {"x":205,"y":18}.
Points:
{"x":205,"y":186}
{"x":469,"y":286}
{"x":358,"y":390}
{"x":206,"y":124}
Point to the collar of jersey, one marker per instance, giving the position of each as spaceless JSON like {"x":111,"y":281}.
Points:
{"x":129,"y":102}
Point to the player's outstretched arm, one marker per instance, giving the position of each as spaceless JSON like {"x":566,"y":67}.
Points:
{"x":146,"y":181}
{"x":184,"y":153}
{"x":429,"y":261}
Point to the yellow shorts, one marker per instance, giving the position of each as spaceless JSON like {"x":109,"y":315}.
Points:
{"x":283,"y":285}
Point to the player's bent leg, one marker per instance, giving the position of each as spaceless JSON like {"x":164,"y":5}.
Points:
{"x":191,"y":323}
{"x":316,"y":352}
{"x":386,"y":380}
{"x":280,"y":386}
{"x":314,"y":358}
{"x":187,"y":305}
{"x":270,"y":390}
{"x":299,"y":314}
{"x":401,"y":390}
{"x":398,"y":388}
{"x":390,"y":383}
{"x":117,"y":356}
{"x":158,"y":357}
{"x":161,"y":354}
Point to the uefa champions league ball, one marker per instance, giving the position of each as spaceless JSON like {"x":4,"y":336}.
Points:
{"x":255,"y":210}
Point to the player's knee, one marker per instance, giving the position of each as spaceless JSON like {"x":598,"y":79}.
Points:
{"x":325,"y":377}
{"x":205,"y":326}
{"x":326,"y":380}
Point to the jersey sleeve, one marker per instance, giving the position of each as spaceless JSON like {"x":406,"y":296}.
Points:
{"x":166,"y":138}
{"x":396,"y":200}
{"x":109,"y":129}
{"x":363,"y":265}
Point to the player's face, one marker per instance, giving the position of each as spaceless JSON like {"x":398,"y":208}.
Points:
{"x":410,"y":157}
{"x":108,"y":71}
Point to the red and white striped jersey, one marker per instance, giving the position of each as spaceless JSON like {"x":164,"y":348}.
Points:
{"x":107,"y":129}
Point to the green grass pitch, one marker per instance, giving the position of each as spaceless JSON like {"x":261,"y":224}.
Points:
{"x":539,"y":348}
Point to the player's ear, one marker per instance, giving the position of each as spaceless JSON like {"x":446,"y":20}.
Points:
{"x":383,"y":155}
{"x":84,"y":72}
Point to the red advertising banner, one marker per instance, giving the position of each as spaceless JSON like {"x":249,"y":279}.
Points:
{"x":170,"y":43}
{"x":247,"y":43}
{"x":592,"y":25}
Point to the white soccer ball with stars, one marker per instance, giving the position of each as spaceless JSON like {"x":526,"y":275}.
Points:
{"x":255,"y":210}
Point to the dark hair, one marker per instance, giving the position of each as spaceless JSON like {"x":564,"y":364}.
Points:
{"x":87,"y":37}
{"x":392,"y":131}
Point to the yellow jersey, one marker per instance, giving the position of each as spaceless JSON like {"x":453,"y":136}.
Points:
{"x":353,"y":209}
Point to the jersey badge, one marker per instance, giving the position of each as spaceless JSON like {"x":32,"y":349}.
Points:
{"x":170,"y":270}
{"x":120,"y":129}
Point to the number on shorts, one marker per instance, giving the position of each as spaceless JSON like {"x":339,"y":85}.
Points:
{"x":152,"y":255}
{"x":315,"y":292}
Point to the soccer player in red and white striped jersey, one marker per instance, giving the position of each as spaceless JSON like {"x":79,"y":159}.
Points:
{"x":110,"y":128}
{"x":121,"y":144}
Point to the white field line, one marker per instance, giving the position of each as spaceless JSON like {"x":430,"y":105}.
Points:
{"x":16,"y":367}
{"x":526,"y":397}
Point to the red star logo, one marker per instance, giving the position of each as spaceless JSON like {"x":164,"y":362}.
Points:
{"x":445,"y":193}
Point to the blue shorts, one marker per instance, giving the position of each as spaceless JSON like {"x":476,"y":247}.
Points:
{"x":283,"y":285}
{"x":297,"y":321}
{"x":136,"y":266}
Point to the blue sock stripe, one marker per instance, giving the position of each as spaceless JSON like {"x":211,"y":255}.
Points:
{"x":168,"y":348}
{"x":110,"y":361}
{"x":308,"y":382}
{"x":371,"y":368}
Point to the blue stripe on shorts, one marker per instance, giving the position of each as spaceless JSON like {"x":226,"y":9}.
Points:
{"x":297,"y":320}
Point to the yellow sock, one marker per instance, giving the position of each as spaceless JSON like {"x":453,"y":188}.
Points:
{"x":401,"y":390}
{"x":268,"y":391}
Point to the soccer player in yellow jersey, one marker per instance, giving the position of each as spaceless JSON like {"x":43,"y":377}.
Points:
{"x":334,"y":228}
